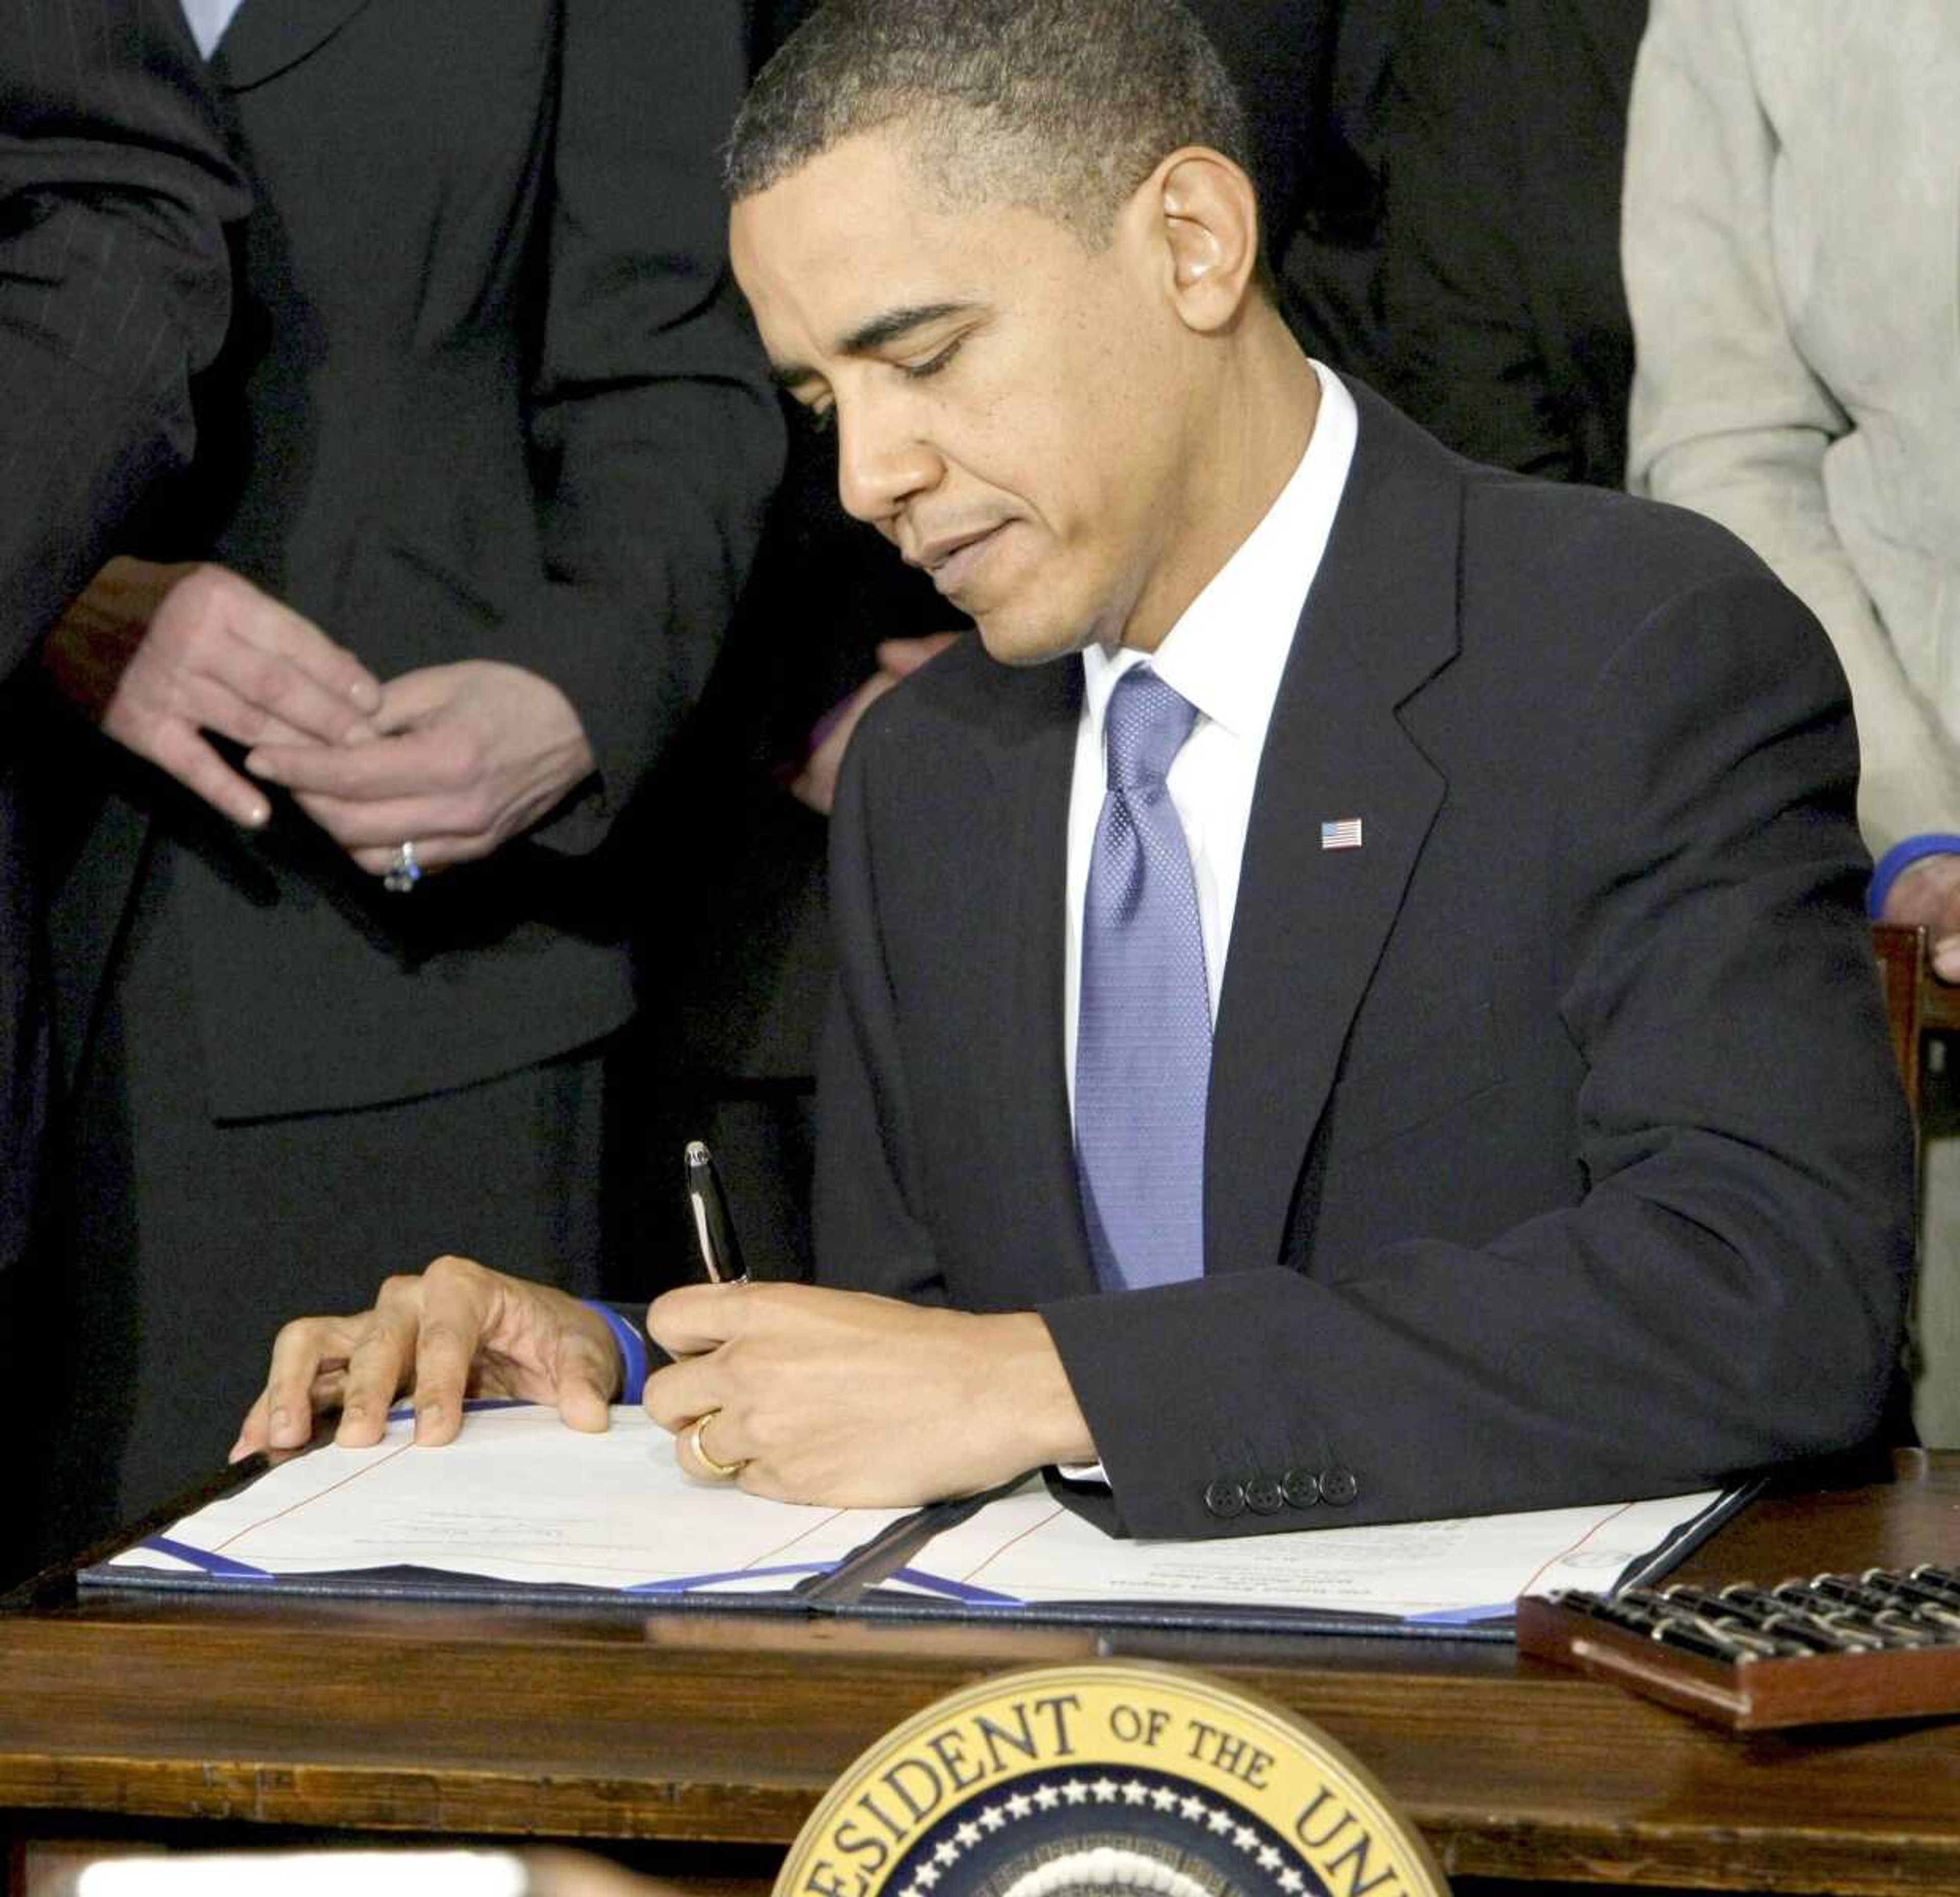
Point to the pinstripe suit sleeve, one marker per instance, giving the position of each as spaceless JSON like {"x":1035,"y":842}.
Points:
{"x":114,"y":281}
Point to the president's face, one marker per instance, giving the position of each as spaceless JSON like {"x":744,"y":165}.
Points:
{"x":1011,"y":410}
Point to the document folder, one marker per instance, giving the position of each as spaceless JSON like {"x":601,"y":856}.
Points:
{"x":521,"y":1508}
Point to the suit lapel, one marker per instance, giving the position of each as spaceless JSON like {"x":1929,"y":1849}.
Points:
{"x":1311,"y":922}
{"x":1032,"y":770}
{"x":266,"y":36}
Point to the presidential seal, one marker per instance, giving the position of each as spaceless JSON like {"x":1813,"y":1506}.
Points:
{"x":1107,"y":1781}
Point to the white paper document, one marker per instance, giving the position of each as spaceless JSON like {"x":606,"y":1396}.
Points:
{"x":1026,"y":1550}
{"x":517,"y":1496}
{"x":520,"y":1498}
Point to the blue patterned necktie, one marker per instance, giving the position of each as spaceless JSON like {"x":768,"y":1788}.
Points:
{"x":1142,"y":1049}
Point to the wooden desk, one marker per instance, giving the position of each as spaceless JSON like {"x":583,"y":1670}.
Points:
{"x":722,"y":1732}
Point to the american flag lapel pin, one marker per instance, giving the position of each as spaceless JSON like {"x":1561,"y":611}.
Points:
{"x":1343,"y":833}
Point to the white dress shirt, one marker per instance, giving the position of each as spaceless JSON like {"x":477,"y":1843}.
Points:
{"x":208,"y":20}
{"x":1225,"y":656}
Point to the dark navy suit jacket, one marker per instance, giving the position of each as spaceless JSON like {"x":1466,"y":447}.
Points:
{"x":1555,"y":1152}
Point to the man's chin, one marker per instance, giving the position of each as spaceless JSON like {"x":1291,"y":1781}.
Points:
{"x":1012,"y":640}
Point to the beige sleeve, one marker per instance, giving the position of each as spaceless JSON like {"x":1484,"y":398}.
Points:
{"x":1727,"y":417}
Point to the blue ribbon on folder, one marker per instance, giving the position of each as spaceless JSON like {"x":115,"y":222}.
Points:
{"x":222,"y":1566}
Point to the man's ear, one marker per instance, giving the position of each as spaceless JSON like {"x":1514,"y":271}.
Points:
{"x":1206,"y":218}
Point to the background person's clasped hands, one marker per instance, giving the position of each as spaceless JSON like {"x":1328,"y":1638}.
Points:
{"x":457,"y":758}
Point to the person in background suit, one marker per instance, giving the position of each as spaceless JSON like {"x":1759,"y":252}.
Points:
{"x":1456,"y":244}
{"x":114,"y":192}
{"x":1318,"y":971}
{"x":1798,"y":379}
{"x":1504,"y":326}
{"x":482,"y":467}
{"x":1329,"y":260}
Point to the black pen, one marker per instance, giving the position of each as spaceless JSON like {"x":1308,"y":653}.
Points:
{"x":713,"y":1230}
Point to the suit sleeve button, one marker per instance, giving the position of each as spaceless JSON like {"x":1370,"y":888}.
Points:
{"x":1264,"y":1495}
{"x":1225,"y":1499}
{"x":1301,"y":1488}
{"x":1338,"y":1486}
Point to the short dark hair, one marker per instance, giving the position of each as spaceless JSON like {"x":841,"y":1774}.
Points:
{"x":1064,"y":105}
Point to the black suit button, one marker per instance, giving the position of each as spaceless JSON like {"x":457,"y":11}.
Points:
{"x":1338,"y":1486}
{"x":1225,"y":1499}
{"x":1301,"y":1488}
{"x":1264,"y":1495}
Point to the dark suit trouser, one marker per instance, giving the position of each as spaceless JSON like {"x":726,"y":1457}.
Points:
{"x":183,"y":1244}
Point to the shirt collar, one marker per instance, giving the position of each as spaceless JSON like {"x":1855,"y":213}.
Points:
{"x":1227,"y":653}
{"x":208,"y":20}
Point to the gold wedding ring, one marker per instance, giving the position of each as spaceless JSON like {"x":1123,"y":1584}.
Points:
{"x":721,"y":1472}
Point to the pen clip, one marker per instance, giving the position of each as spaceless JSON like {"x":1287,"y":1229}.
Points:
{"x":713,"y":1230}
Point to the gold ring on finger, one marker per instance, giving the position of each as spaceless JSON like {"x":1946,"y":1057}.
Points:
{"x":721,"y":1472}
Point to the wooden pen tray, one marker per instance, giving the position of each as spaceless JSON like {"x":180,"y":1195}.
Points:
{"x":1909,"y":1670}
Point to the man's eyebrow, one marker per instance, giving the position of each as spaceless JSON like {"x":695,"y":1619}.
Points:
{"x":893,"y":325}
{"x":888,"y":327}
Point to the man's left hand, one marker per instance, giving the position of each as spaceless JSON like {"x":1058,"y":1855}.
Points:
{"x":470,"y":755}
{"x":853,"y":1401}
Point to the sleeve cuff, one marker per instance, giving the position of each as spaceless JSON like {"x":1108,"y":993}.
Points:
{"x":632,"y":1350}
{"x":1900,"y":857}
{"x":1093,"y":1473}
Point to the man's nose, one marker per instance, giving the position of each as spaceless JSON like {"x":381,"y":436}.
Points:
{"x":881,"y":465}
